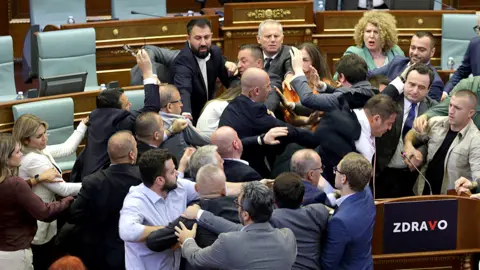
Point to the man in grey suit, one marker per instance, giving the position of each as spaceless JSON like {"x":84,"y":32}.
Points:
{"x":255,"y":245}
{"x":394,"y":177}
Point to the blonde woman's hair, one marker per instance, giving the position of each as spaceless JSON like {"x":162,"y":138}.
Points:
{"x":228,"y":95}
{"x":25,"y":127}
{"x":387,"y":28}
{"x":7,"y":146}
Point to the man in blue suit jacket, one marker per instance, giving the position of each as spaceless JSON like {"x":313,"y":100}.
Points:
{"x":350,"y":230}
{"x":422,"y":49}
{"x":470,"y":64}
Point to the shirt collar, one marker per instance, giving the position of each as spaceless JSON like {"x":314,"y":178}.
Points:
{"x":273,"y":57}
{"x":239,"y":160}
{"x":363,"y":120}
{"x":342,"y":199}
{"x":151,"y":195}
{"x":463,"y":132}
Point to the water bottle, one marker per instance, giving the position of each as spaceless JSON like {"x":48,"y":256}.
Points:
{"x":320,"y":5}
{"x":20,"y":96}
{"x":190,"y":13}
{"x":103,"y":87}
{"x":70,"y":20}
{"x":451,"y":63}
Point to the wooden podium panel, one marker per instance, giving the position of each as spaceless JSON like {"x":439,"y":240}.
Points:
{"x":467,"y":241}
{"x":114,"y":63}
{"x":335,"y":29}
{"x":242,"y":20}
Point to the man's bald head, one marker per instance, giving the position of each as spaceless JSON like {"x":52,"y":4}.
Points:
{"x":210,"y":181}
{"x":224,"y":138}
{"x":255,"y":84}
{"x":122,"y":148}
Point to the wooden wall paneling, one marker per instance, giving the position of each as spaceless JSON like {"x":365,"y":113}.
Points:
{"x":4,"y":20}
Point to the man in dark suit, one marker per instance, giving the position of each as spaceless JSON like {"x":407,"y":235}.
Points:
{"x":230,"y":148}
{"x":211,"y":189}
{"x":422,"y":49}
{"x":470,"y":64}
{"x":253,"y":245}
{"x":197,"y":67}
{"x":350,"y":230}
{"x":409,"y":90}
{"x":307,"y":223}
{"x":249,"y":118}
{"x":96,"y":210}
{"x":111,"y":115}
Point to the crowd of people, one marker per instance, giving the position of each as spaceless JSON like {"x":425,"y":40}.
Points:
{"x":280,"y":171}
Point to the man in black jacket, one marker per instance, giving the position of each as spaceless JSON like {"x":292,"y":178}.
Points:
{"x":111,"y":115}
{"x":96,"y":210}
{"x":248,"y":116}
{"x":211,"y":189}
{"x":197,"y":67}
{"x":230,"y":148}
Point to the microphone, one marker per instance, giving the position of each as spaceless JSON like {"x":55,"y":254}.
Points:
{"x":146,"y":14}
{"x":421,"y":174}
{"x":445,"y":5}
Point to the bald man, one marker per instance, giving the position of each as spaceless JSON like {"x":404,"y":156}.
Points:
{"x":230,"y":148}
{"x":171,"y":112}
{"x":96,"y":210}
{"x":248,"y":116}
{"x":211,"y":189}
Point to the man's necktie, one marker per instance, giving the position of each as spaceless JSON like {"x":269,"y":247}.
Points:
{"x":409,"y":122}
{"x":268,"y":61}
{"x":369,"y":4}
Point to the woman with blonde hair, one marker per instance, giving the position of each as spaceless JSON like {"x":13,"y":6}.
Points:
{"x":210,"y":117}
{"x":20,"y":208}
{"x":31,"y":132}
{"x":376,"y":39}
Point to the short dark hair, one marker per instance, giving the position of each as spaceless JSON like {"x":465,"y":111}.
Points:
{"x":377,"y":80}
{"x":382,"y":105}
{"x":109,"y":98}
{"x":421,"y":34}
{"x":472,"y":96}
{"x":423,"y":70}
{"x":202,"y":23}
{"x":152,"y":165}
{"x":257,"y":201}
{"x":353,"y":67}
{"x":357,"y":169}
{"x":146,"y":124}
{"x":288,"y":190}
{"x":255,"y":50}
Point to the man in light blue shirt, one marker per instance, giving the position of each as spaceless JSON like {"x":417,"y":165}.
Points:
{"x":160,"y":199}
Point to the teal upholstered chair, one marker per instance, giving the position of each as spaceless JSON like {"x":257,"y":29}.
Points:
{"x":457,"y":31}
{"x":58,"y":113}
{"x":121,"y":9}
{"x":8,"y":91}
{"x":68,"y":51}
{"x":136,"y":97}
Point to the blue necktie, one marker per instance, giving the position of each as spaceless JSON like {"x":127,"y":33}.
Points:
{"x":409,"y":122}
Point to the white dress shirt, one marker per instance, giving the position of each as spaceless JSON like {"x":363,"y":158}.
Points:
{"x":365,"y":145}
{"x":376,"y":3}
{"x":208,"y":121}
{"x":202,"y":64}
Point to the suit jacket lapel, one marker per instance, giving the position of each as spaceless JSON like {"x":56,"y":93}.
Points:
{"x":423,"y":107}
{"x":196,"y":67}
{"x":399,"y":119}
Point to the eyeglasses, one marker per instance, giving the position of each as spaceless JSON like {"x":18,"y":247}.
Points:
{"x":476,"y":28}
{"x":335,"y":170}
{"x":237,"y":203}
{"x":172,"y":102}
{"x":321,"y":168}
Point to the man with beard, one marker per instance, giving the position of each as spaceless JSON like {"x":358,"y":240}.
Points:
{"x":197,"y":67}
{"x":422,"y":49}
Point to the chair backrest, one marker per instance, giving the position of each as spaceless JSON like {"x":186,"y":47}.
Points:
{"x":121,"y":9}
{"x":457,"y":31}
{"x":58,"y":113}
{"x":56,"y":12}
{"x":137,"y":98}
{"x":68,"y":51}
{"x":7,"y":79}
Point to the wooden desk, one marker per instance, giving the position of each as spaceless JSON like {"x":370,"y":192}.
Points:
{"x":84,"y":103}
{"x":242,"y":20}
{"x":113,"y":63}
{"x":334,"y":33}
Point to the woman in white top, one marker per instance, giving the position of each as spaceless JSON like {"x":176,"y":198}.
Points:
{"x":31,"y":132}
{"x":208,"y":121}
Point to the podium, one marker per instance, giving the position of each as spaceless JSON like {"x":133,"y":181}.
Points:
{"x":426,"y":232}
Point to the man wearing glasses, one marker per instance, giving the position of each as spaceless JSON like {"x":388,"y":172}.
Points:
{"x":171,"y":110}
{"x":350,"y":230}
{"x":470,"y":63}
